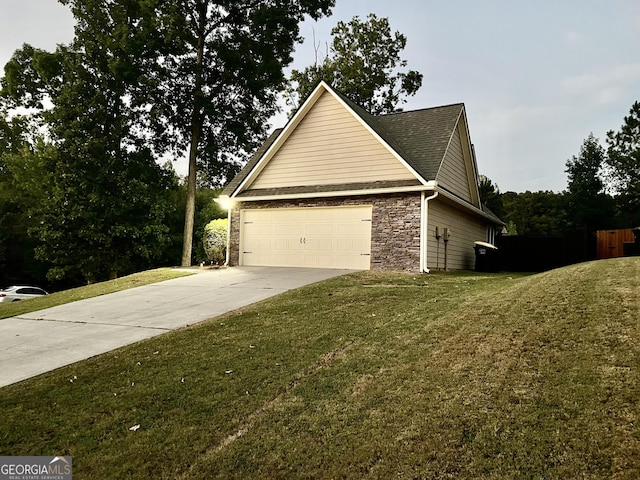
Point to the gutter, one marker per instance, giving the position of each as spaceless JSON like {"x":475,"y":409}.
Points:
{"x":472,"y":208}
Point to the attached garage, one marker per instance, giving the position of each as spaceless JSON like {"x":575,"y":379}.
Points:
{"x":338,"y":187}
{"x":338,"y":237}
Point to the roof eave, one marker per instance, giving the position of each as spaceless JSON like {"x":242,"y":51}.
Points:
{"x":428,"y":186}
{"x":472,"y":208}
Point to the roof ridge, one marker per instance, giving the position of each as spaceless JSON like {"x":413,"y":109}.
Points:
{"x":421,"y":109}
{"x":358,"y":106}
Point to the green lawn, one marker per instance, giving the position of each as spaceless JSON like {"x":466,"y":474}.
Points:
{"x":370,"y":375}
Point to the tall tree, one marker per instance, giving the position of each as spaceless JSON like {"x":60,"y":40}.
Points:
{"x":147,"y":77}
{"x":364,"y":64}
{"x":624,"y":165}
{"x":588,"y":204}
{"x":21,"y":188}
{"x":104,"y":212}
{"x":219,"y":80}
{"x":490,"y":195}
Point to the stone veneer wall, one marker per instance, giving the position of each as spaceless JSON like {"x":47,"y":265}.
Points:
{"x":395,"y":229}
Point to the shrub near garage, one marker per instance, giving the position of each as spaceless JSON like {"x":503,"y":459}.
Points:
{"x":215,"y":240}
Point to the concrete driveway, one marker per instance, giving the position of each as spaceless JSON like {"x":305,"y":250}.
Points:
{"x":41,"y":341}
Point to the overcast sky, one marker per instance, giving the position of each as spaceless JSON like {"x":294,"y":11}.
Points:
{"x":536,"y":77}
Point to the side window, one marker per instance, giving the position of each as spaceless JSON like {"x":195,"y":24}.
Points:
{"x":30,"y":291}
{"x":491,"y":235}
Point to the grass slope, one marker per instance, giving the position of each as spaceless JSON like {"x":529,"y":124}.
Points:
{"x":368,"y":375}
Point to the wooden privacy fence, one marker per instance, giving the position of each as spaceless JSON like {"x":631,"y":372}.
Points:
{"x":611,"y":242}
{"x":535,"y":254}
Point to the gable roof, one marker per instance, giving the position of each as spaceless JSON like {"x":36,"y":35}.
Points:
{"x":419,"y":138}
{"x":253,"y":161}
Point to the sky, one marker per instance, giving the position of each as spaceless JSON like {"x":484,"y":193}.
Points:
{"x":536,"y":77}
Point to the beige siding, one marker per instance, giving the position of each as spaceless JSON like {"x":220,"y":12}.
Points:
{"x":453,"y":171}
{"x":329,"y":146}
{"x":465,"y":229}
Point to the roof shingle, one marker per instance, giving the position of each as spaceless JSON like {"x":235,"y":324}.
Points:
{"x":423,"y":135}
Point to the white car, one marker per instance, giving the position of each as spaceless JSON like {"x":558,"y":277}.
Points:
{"x":20,"y":292}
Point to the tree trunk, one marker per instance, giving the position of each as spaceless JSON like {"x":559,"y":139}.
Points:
{"x":190,"y":210}
{"x":196,"y":128}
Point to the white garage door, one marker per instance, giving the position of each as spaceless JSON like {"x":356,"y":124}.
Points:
{"x":337,"y":237}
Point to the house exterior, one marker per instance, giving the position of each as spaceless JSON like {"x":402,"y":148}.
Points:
{"x":340,"y":188}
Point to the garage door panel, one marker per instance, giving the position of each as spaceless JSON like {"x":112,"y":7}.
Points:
{"x":312,"y":237}
{"x":319,"y":244}
{"x":326,"y":215}
{"x":284,"y":244}
{"x":321,"y":261}
{"x":358,"y":263}
{"x":294,"y":215}
{"x":361,"y":245}
{"x":258,"y":244}
{"x":287,"y":230}
{"x":265,"y":229}
{"x":285,"y":260}
{"x":346,"y":245}
{"x":321,"y":229}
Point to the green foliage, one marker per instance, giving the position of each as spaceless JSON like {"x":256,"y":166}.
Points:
{"x":206,"y":209}
{"x":587,"y":203}
{"x":512,"y":228}
{"x":217,"y":79}
{"x":624,"y":165}
{"x":364,"y":64}
{"x":29,"y":77}
{"x":215,"y":240}
{"x":144,"y":78}
{"x":540,"y":213}
{"x":584,"y":171}
{"x":490,"y":195}
{"x":104,"y":217}
{"x":23,"y":182}
{"x":106,"y":196}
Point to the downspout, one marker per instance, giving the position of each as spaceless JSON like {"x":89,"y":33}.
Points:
{"x":226,"y":260}
{"x":424,"y":217}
